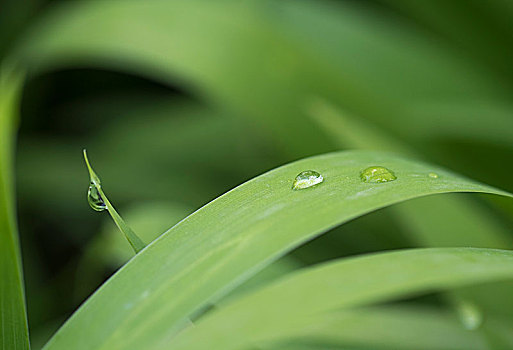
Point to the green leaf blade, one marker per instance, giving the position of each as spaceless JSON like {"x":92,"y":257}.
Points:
{"x":292,"y":305}
{"x":225,"y":242}
{"x":13,"y":317}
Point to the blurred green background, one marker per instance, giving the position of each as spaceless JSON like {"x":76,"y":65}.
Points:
{"x":179,"y":101}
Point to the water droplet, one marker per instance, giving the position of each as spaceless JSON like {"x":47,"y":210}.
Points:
{"x":377,"y":174}
{"x":307,"y":179}
{"x":433,"y":175}
{"x":469,"y":315}
{"x":94,"y":198}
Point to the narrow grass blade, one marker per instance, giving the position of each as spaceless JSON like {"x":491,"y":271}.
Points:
{"x":95,"y":185}
{"x":13,"y":317}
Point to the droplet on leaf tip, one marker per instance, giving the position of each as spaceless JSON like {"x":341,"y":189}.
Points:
{"x":95,"y":199}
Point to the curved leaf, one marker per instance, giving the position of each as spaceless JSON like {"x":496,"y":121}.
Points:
{"x":285,"y":308}
{"x":13,"y":318}
{"x":225,"y":242}
{"x":292,"y":47}
{"x":393,"y":327}
{"x":432,"y":221}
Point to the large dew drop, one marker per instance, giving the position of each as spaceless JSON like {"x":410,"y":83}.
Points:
{"x":306,"y":179}
{"x":94,"y":198}
{"x":377,"y":174}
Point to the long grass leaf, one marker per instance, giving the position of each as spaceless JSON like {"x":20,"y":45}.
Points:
{"x":283,"y":308}
{"x":224,"y":243}
{"x":13,"y":318}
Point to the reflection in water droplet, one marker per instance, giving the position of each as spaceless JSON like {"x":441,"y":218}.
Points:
{"x":307,"y":179}
{"x":433,"y":175}
{"x":469,"y":315}
{"x":377,"y":174}
{"x":95,"y":199}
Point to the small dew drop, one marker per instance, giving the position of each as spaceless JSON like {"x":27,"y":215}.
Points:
{"x":377,"y":174}
{"x":470,"y":316}
{"x":433,"y":175}
{"x":94,"y":198}
{"x":306,"y":179}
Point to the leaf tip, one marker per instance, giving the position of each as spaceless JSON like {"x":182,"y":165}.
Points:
{"x":92,"y":174}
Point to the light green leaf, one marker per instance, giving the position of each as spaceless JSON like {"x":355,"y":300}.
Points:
{"x":277,"y":269}
{"x":13,"y":318}
{"x":224,"y":243}
{"x":286,"y":307}
{"x":390,"y":327}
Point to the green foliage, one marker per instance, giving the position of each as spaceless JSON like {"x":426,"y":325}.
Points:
{"x":196,"y":262}
{"x":13,"y":320}
{"x":297,"y":303}
{"x":180,"y":101}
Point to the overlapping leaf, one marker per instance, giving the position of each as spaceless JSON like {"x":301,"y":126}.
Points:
{"x":225,"y":242}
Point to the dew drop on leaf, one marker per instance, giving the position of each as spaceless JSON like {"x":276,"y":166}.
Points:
{"x":306,"y":179}
{"x":377,"y":174}
{"x":94,"y":198}
{"x":433,"y":175}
